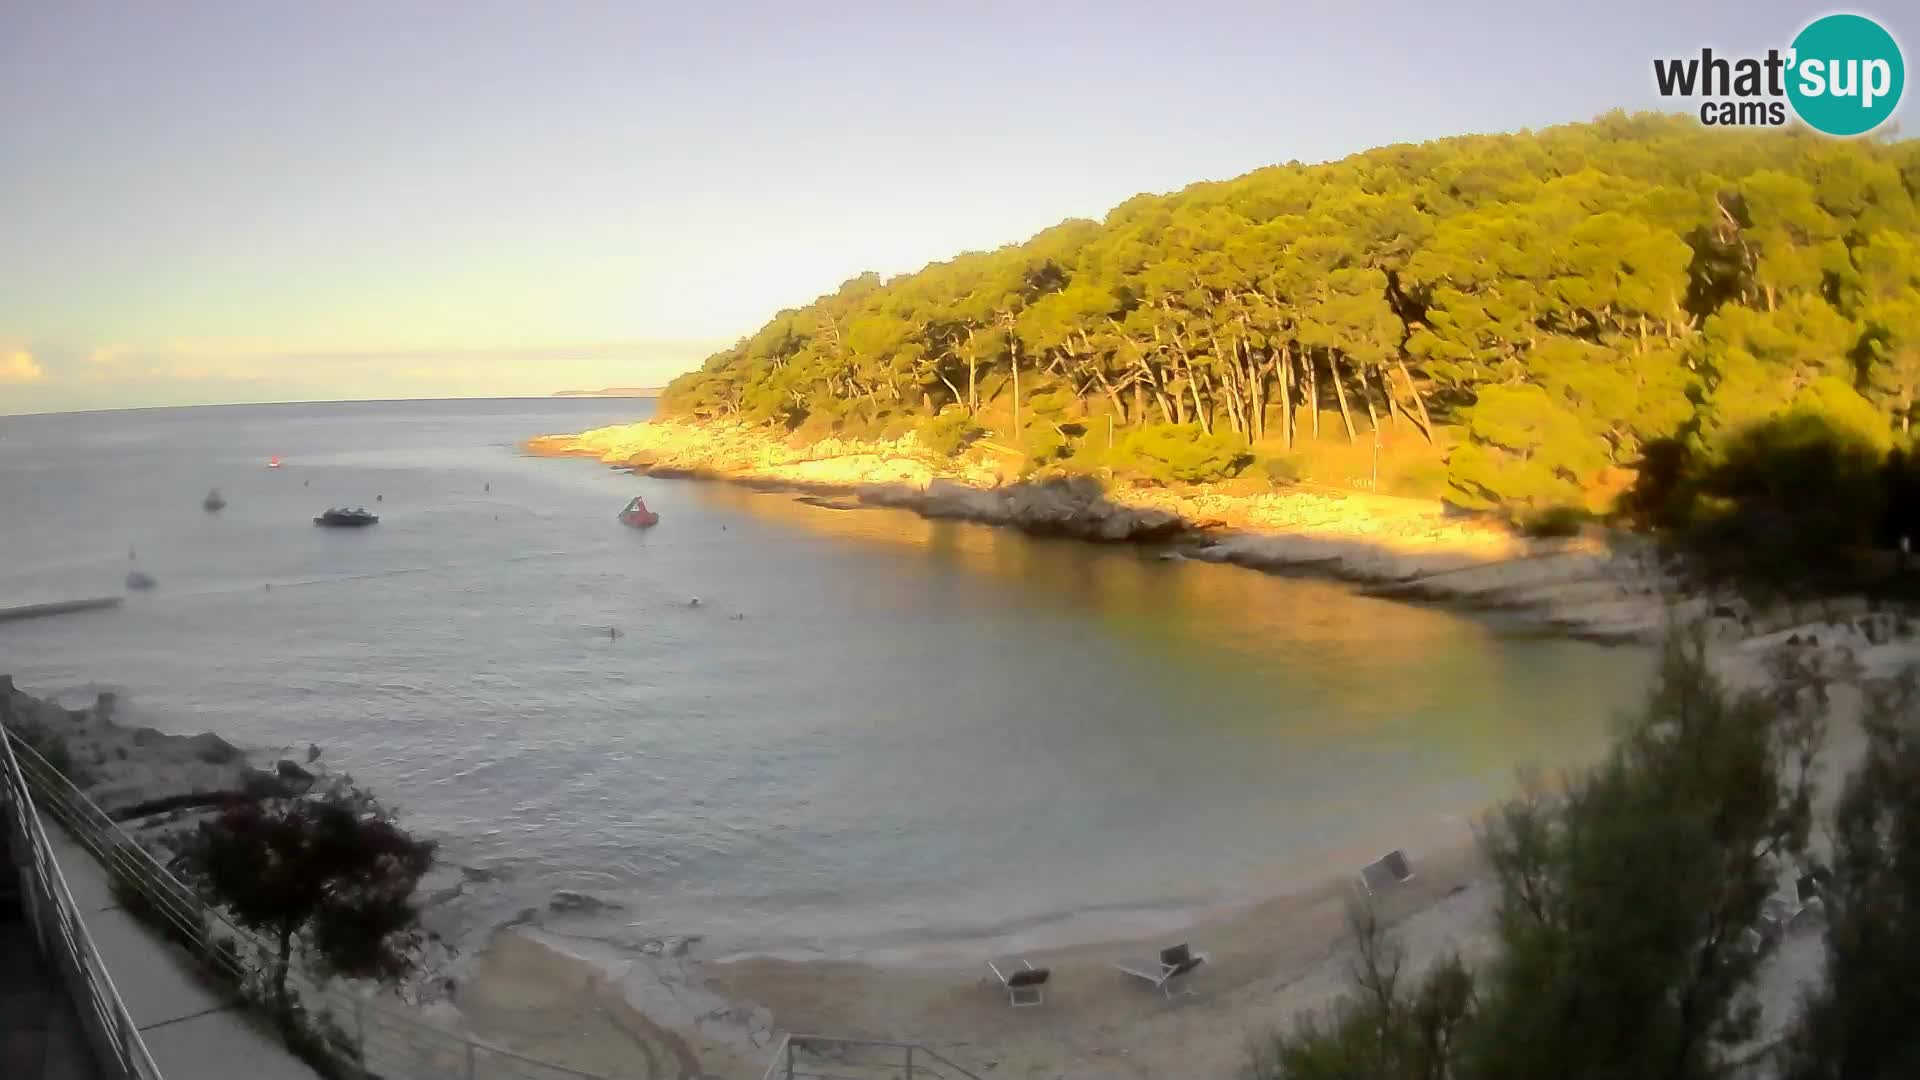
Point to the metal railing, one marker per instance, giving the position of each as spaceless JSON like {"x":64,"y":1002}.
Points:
{"x":375,"y":1038}
{"x":826,"y":1057}
{"x":117,"y":1046}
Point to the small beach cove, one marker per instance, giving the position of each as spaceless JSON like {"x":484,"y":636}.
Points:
{"x":921,"y":742}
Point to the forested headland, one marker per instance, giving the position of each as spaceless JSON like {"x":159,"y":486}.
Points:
{"x":1619,"y":317}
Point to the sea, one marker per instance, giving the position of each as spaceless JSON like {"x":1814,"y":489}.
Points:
{"x":871,"y":731}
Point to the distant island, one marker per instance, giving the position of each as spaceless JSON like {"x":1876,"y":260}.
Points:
{"x":615,"y":391}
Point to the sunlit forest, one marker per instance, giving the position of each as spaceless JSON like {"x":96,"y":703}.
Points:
{"x":1519,"y":316}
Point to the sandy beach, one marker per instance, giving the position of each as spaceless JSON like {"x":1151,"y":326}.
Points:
{"x":575,"y":995}
{"x":1267,"y":963}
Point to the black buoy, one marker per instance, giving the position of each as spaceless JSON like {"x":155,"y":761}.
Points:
{"x":489,"y":486}
{"x":379,"y":498}
{"x":306,"y":483}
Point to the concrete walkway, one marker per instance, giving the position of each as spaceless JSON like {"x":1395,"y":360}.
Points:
{"x":40,"y":1034}
{"x":195,"y":1028}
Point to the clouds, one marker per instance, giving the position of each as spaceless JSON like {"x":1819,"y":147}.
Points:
{"x":19,"y":366}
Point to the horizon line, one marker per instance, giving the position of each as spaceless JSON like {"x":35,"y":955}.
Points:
{"x":556,"y":396}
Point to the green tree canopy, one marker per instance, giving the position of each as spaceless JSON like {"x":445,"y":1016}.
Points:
{"x":1545,"y":303}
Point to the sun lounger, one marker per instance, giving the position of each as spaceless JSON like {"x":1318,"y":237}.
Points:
{"x":1386,"y":871}
{"x":1024,"y":983}
{"x":1783,"y":913}
{"x":1811,"y":888}
{"x":1173,"y":963}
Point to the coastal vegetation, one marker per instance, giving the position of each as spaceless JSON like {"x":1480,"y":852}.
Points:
{"x":1632,"y":915}
{"x":1521,"y":323}
{"x":330,"y":870}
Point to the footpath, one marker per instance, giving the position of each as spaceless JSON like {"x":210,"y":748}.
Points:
{"x":194,"y":1028}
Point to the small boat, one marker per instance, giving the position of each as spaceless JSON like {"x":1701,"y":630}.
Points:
{"x":213,"y":501}
{"x":637,"y":516}
{"x":347,"y":518}
{"x":139,"y":580}
{"x":273,"y":463}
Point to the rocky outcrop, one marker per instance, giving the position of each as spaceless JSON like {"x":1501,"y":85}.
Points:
{"x":1075,"y":507}
{"x":1604,"y":589}
{"x":571,"y":902}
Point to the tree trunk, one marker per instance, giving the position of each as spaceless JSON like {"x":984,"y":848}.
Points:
{"x":1426,"y":422}
{"x":1340,"y":391}
{"x":1113,"y":394}
{"x":1257,"y":406}
{"x":1313,"y":390}
{"x":1014,"y":357}
{"x":280,"y":966}
{"x":1286,"y":396}
{"x":1160,"y":395}
{"x":1393,"y":404}
{"x":1139,"y":401}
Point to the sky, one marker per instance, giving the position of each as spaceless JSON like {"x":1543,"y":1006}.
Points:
{"x":258,"y":200}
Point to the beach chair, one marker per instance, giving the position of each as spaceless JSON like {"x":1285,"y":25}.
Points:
{"x":1811,"y":888}
{"x":1386,"y":871}
{"x":1784,"y":913}
{"x":1024,"y":983}
{"x":1174,"y":962}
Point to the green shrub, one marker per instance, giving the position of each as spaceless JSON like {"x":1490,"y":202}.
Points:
{"x":1555,"y":521}
{"x":818,"y":425}
{"x":1423,"y":480}
{"x":1280,"y":471}
{"x":1175,"y":453}
{"x":949,"y":433}
{"x":1044,"y":445}
{"x":896,"y":428}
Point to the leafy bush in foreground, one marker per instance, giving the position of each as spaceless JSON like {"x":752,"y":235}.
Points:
{"x":1169,"y":453}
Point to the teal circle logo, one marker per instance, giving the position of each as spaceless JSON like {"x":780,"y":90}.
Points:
{"x":1847,"y":75}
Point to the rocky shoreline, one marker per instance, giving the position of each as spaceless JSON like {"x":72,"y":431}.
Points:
{"x":1605,"y":588}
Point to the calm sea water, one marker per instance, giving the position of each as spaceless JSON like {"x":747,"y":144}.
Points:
{"x":873,"y":729}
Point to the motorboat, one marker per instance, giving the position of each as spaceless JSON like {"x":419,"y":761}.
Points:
{"x":213,"y":501}
{"x":347,"y":518}
{"x":636,"y":515}
{"x":273,"y":463}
